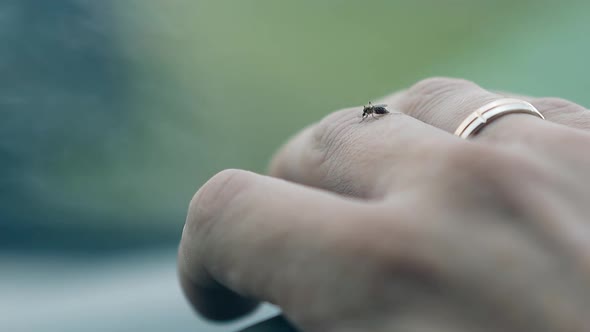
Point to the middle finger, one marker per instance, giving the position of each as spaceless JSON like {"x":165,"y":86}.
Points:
{"x":369,"y":159}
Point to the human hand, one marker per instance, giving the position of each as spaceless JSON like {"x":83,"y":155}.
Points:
{"x":394,"y":224}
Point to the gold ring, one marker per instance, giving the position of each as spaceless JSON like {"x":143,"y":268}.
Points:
{"x":491,"y":111}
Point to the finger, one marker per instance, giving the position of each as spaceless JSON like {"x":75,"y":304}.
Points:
{"x":367,"y":159}
{"x":445,"y":103}
{"x":558,"y":110}
{"x":247,"y":236}
{"x":563,"y":112}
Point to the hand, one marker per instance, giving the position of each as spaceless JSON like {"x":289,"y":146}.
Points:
{"x":394,"y":224}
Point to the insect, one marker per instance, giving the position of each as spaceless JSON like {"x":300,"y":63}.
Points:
{"x":374,"y":109}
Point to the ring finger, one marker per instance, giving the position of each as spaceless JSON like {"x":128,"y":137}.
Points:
{"x":445,"y":103}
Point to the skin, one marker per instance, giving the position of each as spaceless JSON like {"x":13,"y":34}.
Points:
{"x":395,"y":224}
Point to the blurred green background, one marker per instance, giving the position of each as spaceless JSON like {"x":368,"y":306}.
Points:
{"x":113,"y":113}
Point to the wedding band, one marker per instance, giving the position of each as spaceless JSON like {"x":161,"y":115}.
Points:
{"x":491,"y":111}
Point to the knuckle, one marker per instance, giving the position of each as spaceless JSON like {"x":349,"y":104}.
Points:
{"x":438,"y":85}
{"x":333,"y":131}
{"x":222,"y":187}
{"x":339,"y":150}
{"x":426,"y":96}
{"x":554,"y":106}
{"x":297,"y":160}
{"x":563,"y":111}
{"x":331,"y":126}
{"x":214,"y":196}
